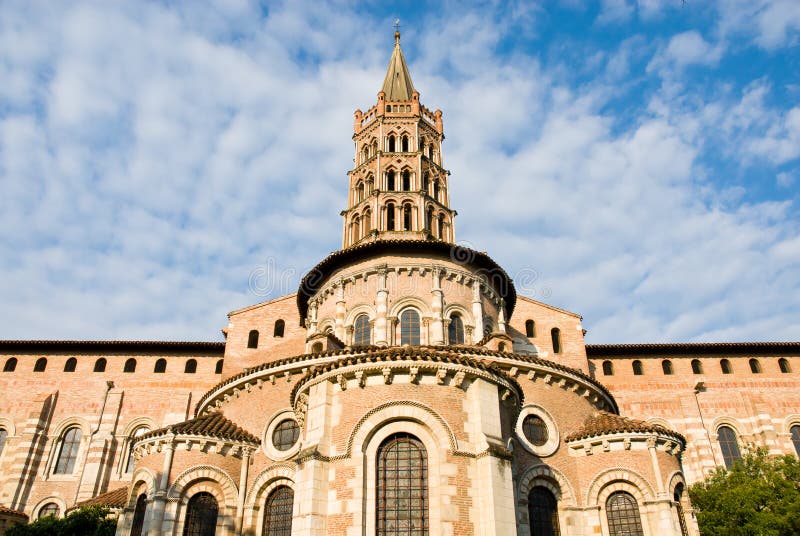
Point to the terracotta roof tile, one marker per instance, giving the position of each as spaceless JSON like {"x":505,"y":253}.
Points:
{"x":214,"y":348}
{"x":11,"y":512}
{"x":213,"y":424}
{"x":600,"y":350}
{"x":117,"y":498}
{"x":604,"y":423}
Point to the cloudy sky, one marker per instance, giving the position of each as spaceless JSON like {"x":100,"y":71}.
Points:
{"x":636,"y":161}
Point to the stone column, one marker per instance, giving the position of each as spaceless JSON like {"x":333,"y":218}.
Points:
{"x":437,"y":305}
{"x":341,"y":310}
{"x":160,"y":496}
{"x":501,"y":317}
{"x":381,"y":307}
{"x":312,"y":319}
{"x":240,"y":500}
{"x":477,"y":311}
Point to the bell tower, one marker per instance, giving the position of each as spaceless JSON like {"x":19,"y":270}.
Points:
{"x":398,"y":188}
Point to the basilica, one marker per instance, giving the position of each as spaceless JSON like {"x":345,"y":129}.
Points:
{"x":404,"y":389}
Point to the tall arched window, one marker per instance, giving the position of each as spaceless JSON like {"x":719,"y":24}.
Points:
{"x":543,"y":512}
{"x":795,"y":430}
{"x":436,"y":189}
{"x":40,"y":365}
{"x":405,"y":144}
{"x":390,"y":216}
{"x":429,"y":220}
{"x":666,"y":367}
{"x":68,"y":451}
{"x":390,"y":180}
{"x":190,"y":367}
{"x":201,"y":515}
{"x":70,"y":365}
{"x":356,"y":229}
{"x":725,"y":365}
{"x":530,"y":328}
{"x":3,"y":437}
{"x":729,"y":445}
{"x":608,"y":368}
{"x":100,"y":365}
{"x":407,"y":217}
{"x":555,"y":336}
{"x":278,"y":512}
{"x":697,"y":366}
{"x":441,"y":227}
{"x":366,"y":222}
{"x":426,"y":182}
{"x":623,"y":516}
{"x":138,"y":515}
{"x":677,"y":496}
{"x":161,"y":366}
{"x":406,"y":181}
{"x":637,"y":368}
{"x":131,"y":440}
{"x":755,"y":366}
{"x":130,"y":365}
{"x":409,"y":327}
{"x":402,"y":487}
{"x":391,"y":144}
{"x":218,"y":367}
{"x":455,"y":331}
{"x":361,"y":330}
{"x":358,"y":192}
{"x":280,"y":326}
{"x":252,"y":339}
{"x":784,"y":366}
{"x":11,"y":364}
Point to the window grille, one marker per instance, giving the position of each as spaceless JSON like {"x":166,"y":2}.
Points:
{"x":623,"y":515}
{"x":201,"y":515}
{"x":278,"y":512}
{"x":542,"y":512}
{"x":402,"y":487}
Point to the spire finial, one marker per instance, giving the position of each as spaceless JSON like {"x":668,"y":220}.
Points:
{"x":396,"y":31}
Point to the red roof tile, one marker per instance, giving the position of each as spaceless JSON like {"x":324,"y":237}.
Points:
{"x":117,"y":498}
{"x":604,"y":423}
{"x":212,"y":424}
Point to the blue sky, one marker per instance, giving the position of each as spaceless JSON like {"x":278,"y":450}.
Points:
{"x":635,"y":161}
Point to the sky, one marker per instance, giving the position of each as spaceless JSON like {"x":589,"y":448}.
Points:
{"x":634,"y":161}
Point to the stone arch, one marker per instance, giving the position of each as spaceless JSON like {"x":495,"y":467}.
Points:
{"x":69,"y":422}
{"x":143,"y":481}
{"x":62,"y":506}
{"x":412,"y":411}
{"x":788,"y":422}
{"x":353,"y":313}
{"x":675,"y":478}
{"x":11,"y":430}
{"x":552,"y":479}
{"x":660,"y":422}
{"x":204,"y":473}
{"x":466,"y":314}
{"x":136,"y":423}
{"x":737,"y":426}
{"x":410,"y":301}
{"x":270,"y":478}
{"x":326,"y":323}
{"x":618,"y":479}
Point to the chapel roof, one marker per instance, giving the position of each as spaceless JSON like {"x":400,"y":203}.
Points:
{"x":397,"y":85}
{"x":212,"y":424}
{"x":116,"y":498}
{"x":604,"y":423}
{"x":4,"y":510}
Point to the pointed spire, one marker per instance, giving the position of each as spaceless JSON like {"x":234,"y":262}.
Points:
{"x":397,"y":85}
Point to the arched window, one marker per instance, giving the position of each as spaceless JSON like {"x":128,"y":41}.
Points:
{"x":501,"y":347}
{"x":666,"y":366}
{"x":402,"y":486}
{"x":677,"y":496}
{"x":555,"y":336}
{"x":795,"y":430}
{"x":11,"y":364}
{"x":406,"y":181}
{"x":409,"y":327}
{"x":530,"y":328}
{"x":278,"y":512}
{"x":201,"y":515}
{"x":137,"y":525}
{"x":725,"y":365}
{"x":3,"y":437}
{"x":49,"y":509}
{"x":361,"y":331}
{"x":543,"y":512}
{"x":366,"y":222}
{"x":755,"y":366}
{"x":697,"y":366}
{"x":784,"y":366}
{"x":729,"y":445}
{"x":429,"y":220}
{"x":190,"y":367}
{"x":161,"y":366}
{"x":358,"y":192}
{"x":131,"y":440}
{"x":436,"y":189}
{"x":488,"y":326}
{"x":441,"y":227}
{"x":100,"y":365}
{"x":390,"y":217}
{"x":68,"y":451}
{"x":637,"y":368}
{"x":280,"y":325}
{"x":608,"y":368}
{"x":130,"y":365}
{"x":252,"y":339}
{"x":390,"y":180}
{"x":405,"y":144}
{"x":391,"y":144}
{"x":455,"y":331}
{"x":316,"y":348}
{"x":356,"y":229}
{"x":426,"y":182}
{"x":407,"y":217}
{"x":623,"y":516}
{"x":218,"y":367}
{"x":40,"y":364}
{"x":70,"y":365}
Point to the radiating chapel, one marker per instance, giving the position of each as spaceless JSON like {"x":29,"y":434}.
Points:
{"x":404,"y":389}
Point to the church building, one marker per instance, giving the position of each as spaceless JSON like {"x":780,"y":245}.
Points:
{"x":404,"y":389}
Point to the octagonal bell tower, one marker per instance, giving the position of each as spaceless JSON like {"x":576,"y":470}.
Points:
{"x":398,"y":188}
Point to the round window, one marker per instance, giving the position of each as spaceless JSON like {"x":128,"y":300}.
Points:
{"x":285,"y":434}
{"x":535,"y":430}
